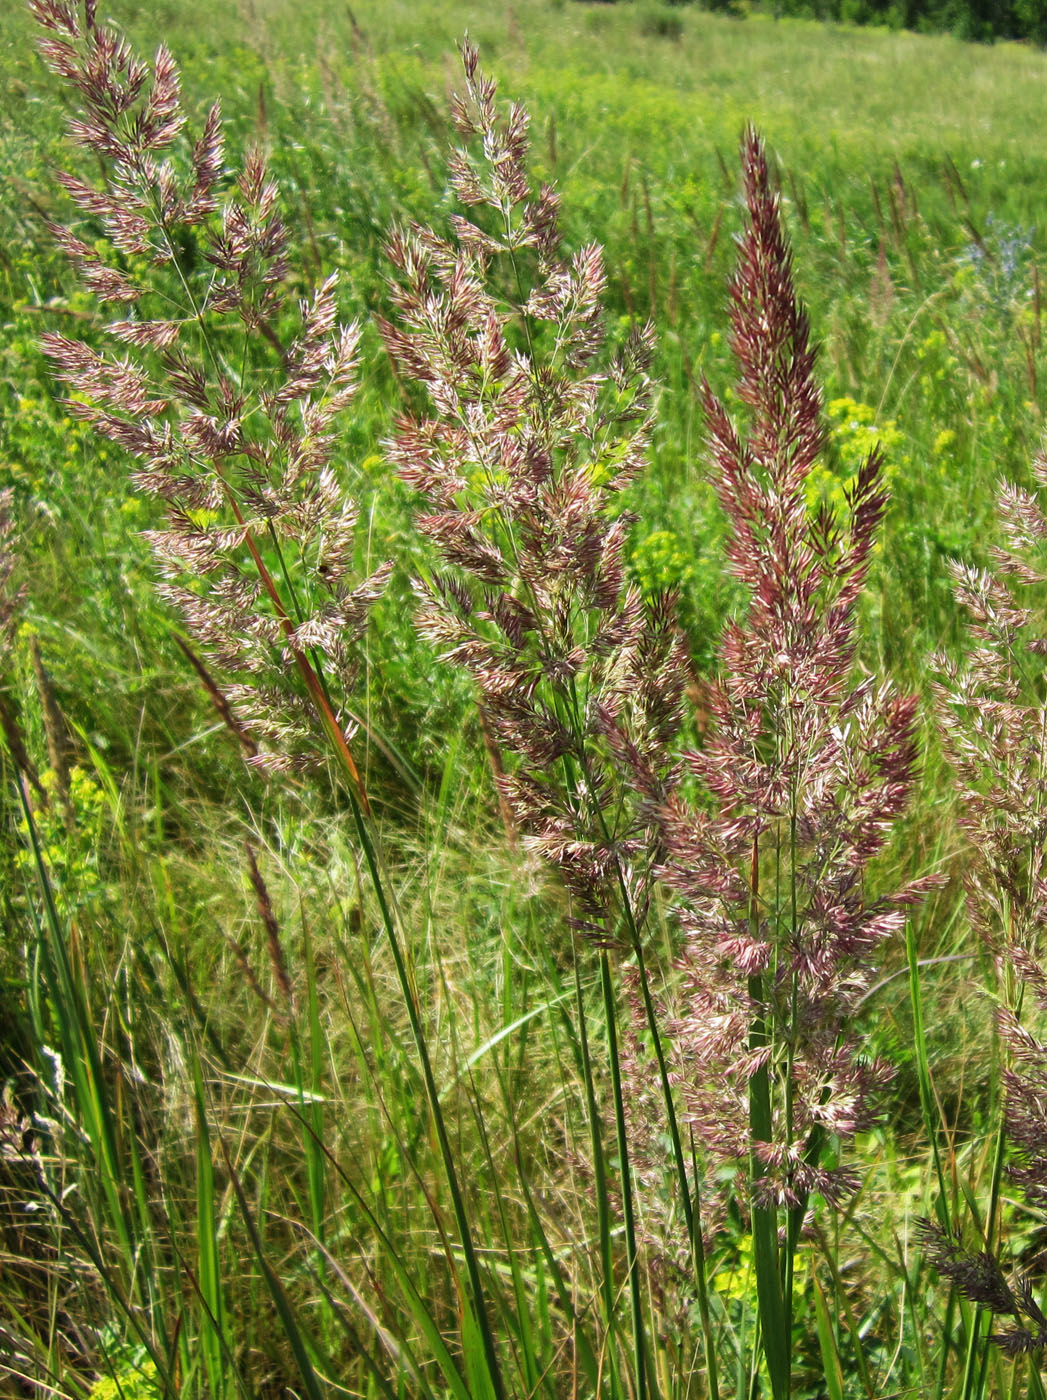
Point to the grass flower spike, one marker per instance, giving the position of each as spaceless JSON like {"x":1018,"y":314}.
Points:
{"x":806,"y":767}
{"x":257,"y":548}
{"x":521,"y":460}
{"x":994,"y":722}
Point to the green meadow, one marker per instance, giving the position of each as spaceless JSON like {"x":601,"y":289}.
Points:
{"x":221,"y":1169}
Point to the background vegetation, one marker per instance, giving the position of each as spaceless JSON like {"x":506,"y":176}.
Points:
{"x":982,"y":20}
{"x":912,"y":184}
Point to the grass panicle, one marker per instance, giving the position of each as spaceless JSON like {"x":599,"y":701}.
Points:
{"x":807,"y":766}
{"x":994,"y":723}
{"x":520,"y":459}
{"x":257,"y":550}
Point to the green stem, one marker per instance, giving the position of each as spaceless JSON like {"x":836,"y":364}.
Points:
{"x":774,"y":1324}
{"x":927,"y":1106}
{"x":410,"y":997}
{"x":639,"y":1345}
{"x":698,"y":1256}
{"x":603,"y":1213}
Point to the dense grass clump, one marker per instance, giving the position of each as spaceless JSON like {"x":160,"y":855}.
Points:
{"x":522,"y":770}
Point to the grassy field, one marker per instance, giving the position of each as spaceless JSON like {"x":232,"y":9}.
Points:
{"x":309,"y":1094}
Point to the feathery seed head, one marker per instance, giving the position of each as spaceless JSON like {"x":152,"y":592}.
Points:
{"x":807,"y":769}
{"x":257,"y":549}
{"x":520,"y":459}
{"x":994,"y":724}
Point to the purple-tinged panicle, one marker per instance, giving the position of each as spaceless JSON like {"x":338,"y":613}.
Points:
{"x":995,"y":729}
{"x":993,"y":721}
{"x":11,"y":593}
{"x":980,"y":1279}
{"x":806,"y":769}
{"x":257,"y":550}
{"x":520,"y":460}
{"x":277,"y":958}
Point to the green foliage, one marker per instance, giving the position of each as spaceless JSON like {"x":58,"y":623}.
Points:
{"x":982,"y":20}
{"x":132,"y":1376}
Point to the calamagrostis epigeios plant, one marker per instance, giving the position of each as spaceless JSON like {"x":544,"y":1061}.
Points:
{"x":520,"y":458}
{"x":257,"y":548}
{"x":994,"y":722}
{"x":258,"y":545}
{"x":806,"y":767}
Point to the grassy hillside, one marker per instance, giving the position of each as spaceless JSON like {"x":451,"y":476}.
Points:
{"x":221,"y":1059}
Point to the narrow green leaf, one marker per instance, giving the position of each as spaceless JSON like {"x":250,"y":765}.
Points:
{"x":209,"y":1268}
{"x":831,"y":1368}
{"x":301,"y":1345}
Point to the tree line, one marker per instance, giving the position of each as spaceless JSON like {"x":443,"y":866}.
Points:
{"x":982,"y":20}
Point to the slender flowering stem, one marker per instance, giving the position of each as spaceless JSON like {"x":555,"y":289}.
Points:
{"x":806,"y":768}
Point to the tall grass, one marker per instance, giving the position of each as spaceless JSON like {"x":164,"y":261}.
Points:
{"x":345,"y":1094}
